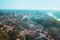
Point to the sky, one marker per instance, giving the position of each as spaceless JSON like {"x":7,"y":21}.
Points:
{"x":30,"y":4}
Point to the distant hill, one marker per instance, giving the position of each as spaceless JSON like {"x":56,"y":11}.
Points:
{"x":37,"y":14}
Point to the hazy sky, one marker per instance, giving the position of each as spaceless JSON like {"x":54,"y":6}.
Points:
{"x":30,"y":4}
